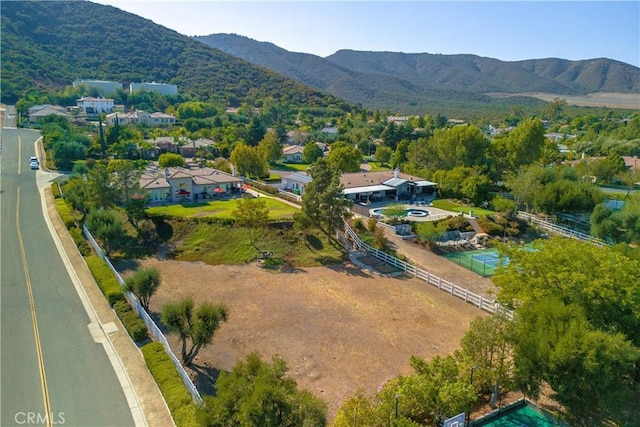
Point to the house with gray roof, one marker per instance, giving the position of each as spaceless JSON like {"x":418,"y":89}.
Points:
{"x":179,"y":185}
{"x":367,"y":186}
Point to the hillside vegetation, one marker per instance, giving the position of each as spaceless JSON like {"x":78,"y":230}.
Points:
{"x":421,"y":82}
{"x":47,"y":45}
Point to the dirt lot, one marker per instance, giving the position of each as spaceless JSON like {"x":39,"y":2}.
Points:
{"x":340,"y":329}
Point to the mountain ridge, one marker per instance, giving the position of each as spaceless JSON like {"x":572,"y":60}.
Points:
{"x":47,"y":45}
{"x":346,"y":72}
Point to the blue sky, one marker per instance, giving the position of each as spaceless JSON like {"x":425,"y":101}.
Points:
{"x":509,"y":31}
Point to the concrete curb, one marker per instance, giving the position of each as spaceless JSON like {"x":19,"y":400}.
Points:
{"x":147,"y":405}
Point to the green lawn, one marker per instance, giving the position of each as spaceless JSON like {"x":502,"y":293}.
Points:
{"x":290,"y":167}
{"x":222,"y":244}
{"x":377,"y":166}
{"x":220,"y":209}
{"x":448,"y":205}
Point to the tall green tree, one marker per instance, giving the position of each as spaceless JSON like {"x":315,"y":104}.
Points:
{"x":599,"y":279}
{"x":251,"y":214}
{"x":270,"y":147}
{"x":591,"y":371}
{"x":125,"y":176}
{"x":195,"y":326}
{"x":460,"y":146}
{"x":107,"y":228}
{"x":104,"y":194}
{"x":324,"y":206}
{"x":166,"y":160}
{"x":144,"y":283}
{"x":248,"y":161}
{"x":311,"y":152}
{"x":344,"y":157}
{"x":258,"y":393}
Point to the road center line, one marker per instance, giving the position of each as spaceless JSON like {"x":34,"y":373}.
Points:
{"x":34,"y":318}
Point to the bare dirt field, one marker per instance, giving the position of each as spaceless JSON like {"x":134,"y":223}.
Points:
{"x":339,"y":329}
{"x":597,"y":99}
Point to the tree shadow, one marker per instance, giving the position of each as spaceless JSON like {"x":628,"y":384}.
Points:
{"x":349,"y":269}
{"x":204,"y":377}
{"x":313,"y":242}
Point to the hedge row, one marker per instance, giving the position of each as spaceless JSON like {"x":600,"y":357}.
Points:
{"x":170,"y":383}
{"x":105,"y":278}
{"x":55,"y":190}
{"x":66,"y":214}
{"x":132,"y":323}
{"x":81,"y":242}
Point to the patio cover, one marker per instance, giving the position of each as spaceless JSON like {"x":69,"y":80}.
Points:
{"x":424,"y":184}
{"x":368,"y":189}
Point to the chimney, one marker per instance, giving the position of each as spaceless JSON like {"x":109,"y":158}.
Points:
{"x":233,"y":170}
{"x":396,"y":171}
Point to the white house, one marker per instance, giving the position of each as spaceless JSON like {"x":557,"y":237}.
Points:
{"x":90,"y":105}
{"x":161,"y":88}
{"x":141,"y":117}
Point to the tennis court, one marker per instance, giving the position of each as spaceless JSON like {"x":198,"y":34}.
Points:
{"x":481,"y":261}
{"x":519,"y":416}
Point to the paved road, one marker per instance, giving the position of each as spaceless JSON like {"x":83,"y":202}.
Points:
{"x":53,"y":371}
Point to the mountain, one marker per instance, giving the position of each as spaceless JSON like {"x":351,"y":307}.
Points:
{"x":47,"y":45}
{"x":415,"y":80}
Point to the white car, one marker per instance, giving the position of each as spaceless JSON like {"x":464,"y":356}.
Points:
{"x":33,"y":164}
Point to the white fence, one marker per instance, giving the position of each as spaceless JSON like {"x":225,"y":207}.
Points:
{"x":478,"y":300}
{"x":151,"y":325}
{"x":557,"y":229}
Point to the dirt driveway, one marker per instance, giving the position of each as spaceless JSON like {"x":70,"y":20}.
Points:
{"x":339,"y":329}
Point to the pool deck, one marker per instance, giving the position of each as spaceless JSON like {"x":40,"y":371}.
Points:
{"x":434,"y":213}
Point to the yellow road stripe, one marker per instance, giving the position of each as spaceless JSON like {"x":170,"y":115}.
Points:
{"x":34,"y":319}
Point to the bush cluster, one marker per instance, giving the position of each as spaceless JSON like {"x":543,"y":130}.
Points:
{"x":490,"y":227}
{"x":105,"y":278}
{"x":55,"y":190}
{"x":78,"y":237}
{"x":170,"y":383}
{"x":134,"y":325}
{"x":66,"y":214}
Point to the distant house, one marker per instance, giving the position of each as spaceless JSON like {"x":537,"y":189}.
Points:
{"x":178,"y":184}
{"x":161,"y":88}
{"x":141,"y":117}
{"x":365,"y":187}
{"x":38,"y":111}
{"x":189,"y":149}
{"x":330,"y":130}
{"x":90,"y":105}
{"x":166,"y":144}
{"x":296,"y":182}
{"x":292,"y":154}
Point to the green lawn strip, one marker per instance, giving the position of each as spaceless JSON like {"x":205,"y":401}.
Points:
{"x":377,"y":166}
{"x":290,"y":167}
{"x":222,"y":209}
{"x":178,"y":398}
{"x":217,"y":244}
{"x":448,"y":205}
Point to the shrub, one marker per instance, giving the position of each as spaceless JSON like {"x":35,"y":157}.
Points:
{"x":105,"y":278}
{"x":372,"y":223}
{"x":78,"y":237}
{"x":134,"y":325}
{"x":66,"y":214}
{"x":170,"y":383}
{"x":358,"y":225}
{"x":55,"y":190}
{"x":489,"y":226}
